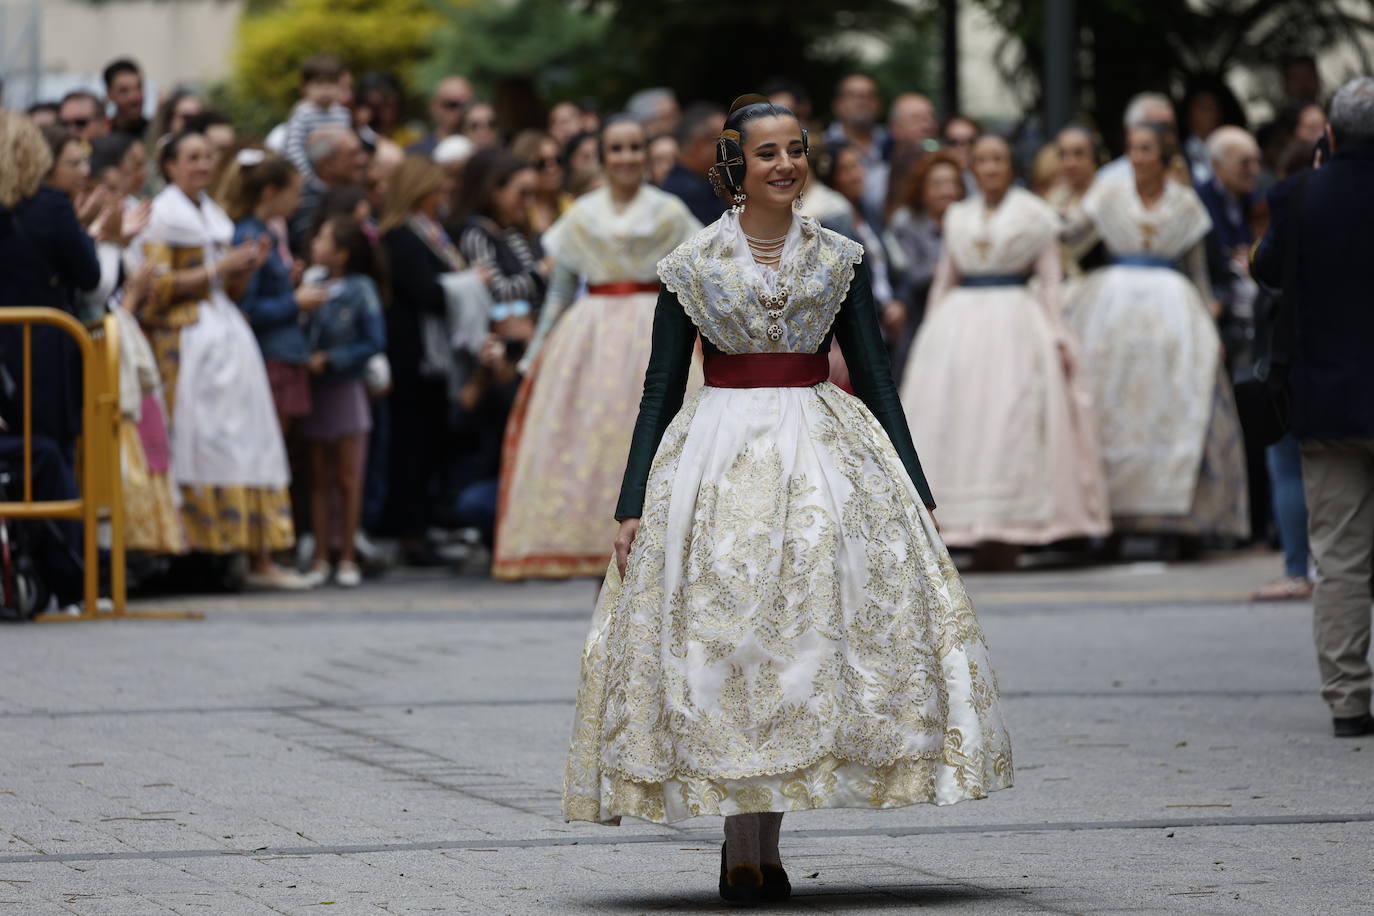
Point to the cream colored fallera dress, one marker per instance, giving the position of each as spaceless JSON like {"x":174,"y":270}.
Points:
{"x":569,"y":430}
{"x":1171,"y":438}
{"x":790,"y":633}
{"x":1008,"y":439}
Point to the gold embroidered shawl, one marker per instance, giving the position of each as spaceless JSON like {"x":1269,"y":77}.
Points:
{"x":719,"y":285}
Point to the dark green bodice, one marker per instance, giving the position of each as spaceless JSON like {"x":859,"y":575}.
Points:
{"x":855,"y":329}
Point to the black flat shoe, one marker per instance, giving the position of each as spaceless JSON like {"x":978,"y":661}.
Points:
{"x":776,"y":887}
{"x":741,"y":884}
{"x":1353,"y":726}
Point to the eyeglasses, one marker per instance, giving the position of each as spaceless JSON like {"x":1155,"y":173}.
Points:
{"x":958,"y":141}
{"x":76,"y":123}
{"x":481,"y":124}
{"x":452,"y":104}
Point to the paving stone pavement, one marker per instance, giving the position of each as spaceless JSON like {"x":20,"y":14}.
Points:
{"x":399,"y":749}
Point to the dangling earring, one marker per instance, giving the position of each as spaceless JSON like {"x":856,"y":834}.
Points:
{"x":797,"y":204}
{"x":738,"y":208}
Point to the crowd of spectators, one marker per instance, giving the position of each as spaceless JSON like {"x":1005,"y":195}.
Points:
{"x":409,"y":253}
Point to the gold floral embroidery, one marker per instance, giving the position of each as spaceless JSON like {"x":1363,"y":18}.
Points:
{"x":802,"y":641}
{"x":720,"y":294}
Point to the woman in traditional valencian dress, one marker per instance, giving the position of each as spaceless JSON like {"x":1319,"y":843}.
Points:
{"x":227,"y":455}
{"x":991,"y":387}
{"x":1170,"y":435}
{"x":782,"y":629}
{"x":569,"y":431}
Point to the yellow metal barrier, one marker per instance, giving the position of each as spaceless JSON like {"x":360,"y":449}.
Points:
{"x":100,"y":482}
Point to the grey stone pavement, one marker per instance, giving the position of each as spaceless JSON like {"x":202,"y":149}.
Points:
{"x":399,"y":749}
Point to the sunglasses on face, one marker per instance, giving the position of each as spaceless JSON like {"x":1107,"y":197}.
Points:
{"x":450,"y":104}
{"x":500,"y":311}
{"x":76,"y":123}
{"x":548,"y":162}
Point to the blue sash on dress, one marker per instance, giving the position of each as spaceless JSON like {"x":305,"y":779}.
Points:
{"x":981,"y":280}
{"x":1143,"y":260}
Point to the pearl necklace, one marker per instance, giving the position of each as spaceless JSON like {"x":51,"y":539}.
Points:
{"x":767,"y":252}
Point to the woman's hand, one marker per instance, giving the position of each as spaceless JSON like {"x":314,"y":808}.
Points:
{"x":89,"y":205}
{"x":135,"y":221}
{"x":893,"y":317}
{"x":1066,"y":360}
{"x":624,"y":540}
{"x":311,"y":296}
{"x":318,"y":362}
{"x":139,"y":285}
{"x":242,"y":258}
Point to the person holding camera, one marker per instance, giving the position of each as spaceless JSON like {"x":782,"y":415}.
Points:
{"x":1317,"y":252}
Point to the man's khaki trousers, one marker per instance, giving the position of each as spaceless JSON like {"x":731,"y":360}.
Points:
{"x":1338,"y":479}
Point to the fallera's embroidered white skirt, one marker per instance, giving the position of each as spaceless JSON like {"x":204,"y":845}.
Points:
{"x":790,"y":634}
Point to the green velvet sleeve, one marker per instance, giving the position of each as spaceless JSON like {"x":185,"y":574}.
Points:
{"x":861,"y":342}
{"x":665,"y":383}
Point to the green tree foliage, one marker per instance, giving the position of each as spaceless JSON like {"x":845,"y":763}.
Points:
{"x":556,"y":45}
{"x":706,"y":49}
{"x":1127,"y":45}
{"x":703,"y":49}
{"x":386,"y":35}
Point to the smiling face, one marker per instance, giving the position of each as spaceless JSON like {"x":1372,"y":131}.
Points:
{"x":190,"y":168}
{"x":774,"y":161}
{"x":622,"y":146}
{"x":991,"y":164}
{"x":134,"y":165}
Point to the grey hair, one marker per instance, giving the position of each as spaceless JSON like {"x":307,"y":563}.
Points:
{"x":1135,"y":111}
{"x":1225,"y":141}
{"x":644,"y":103}
{"x":324,"y":142}
{"x":1352,"y":111}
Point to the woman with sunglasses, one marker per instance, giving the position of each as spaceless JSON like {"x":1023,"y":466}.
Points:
{"x":491,"y":224}
{"x":570,"y":429}
{"x":550,"y":200}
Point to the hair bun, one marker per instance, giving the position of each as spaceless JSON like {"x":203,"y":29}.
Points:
{"x":749,"y":98}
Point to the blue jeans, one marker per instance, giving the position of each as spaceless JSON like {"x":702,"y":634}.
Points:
{"x":1290,"y":506}
{"x":477,"y":508}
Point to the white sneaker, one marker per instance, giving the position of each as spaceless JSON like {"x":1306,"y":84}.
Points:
{"x":277,"y":579}
{"x":317,"y":575}
{"x":348,"y":575}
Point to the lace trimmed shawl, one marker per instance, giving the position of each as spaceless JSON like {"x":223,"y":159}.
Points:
{"x":719,"y":285}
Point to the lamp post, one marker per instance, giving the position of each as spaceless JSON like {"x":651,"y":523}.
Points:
{"x":1060,"y":52}
{"x":949,"y":28}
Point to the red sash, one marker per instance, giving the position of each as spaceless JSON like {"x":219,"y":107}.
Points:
{"x":765,"y":370}
{"x":627,"y":288}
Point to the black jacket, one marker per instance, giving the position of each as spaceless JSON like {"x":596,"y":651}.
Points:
{"x":696,"y":193}
{"x":1331,"y":377}
{"x":45,"y":259}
